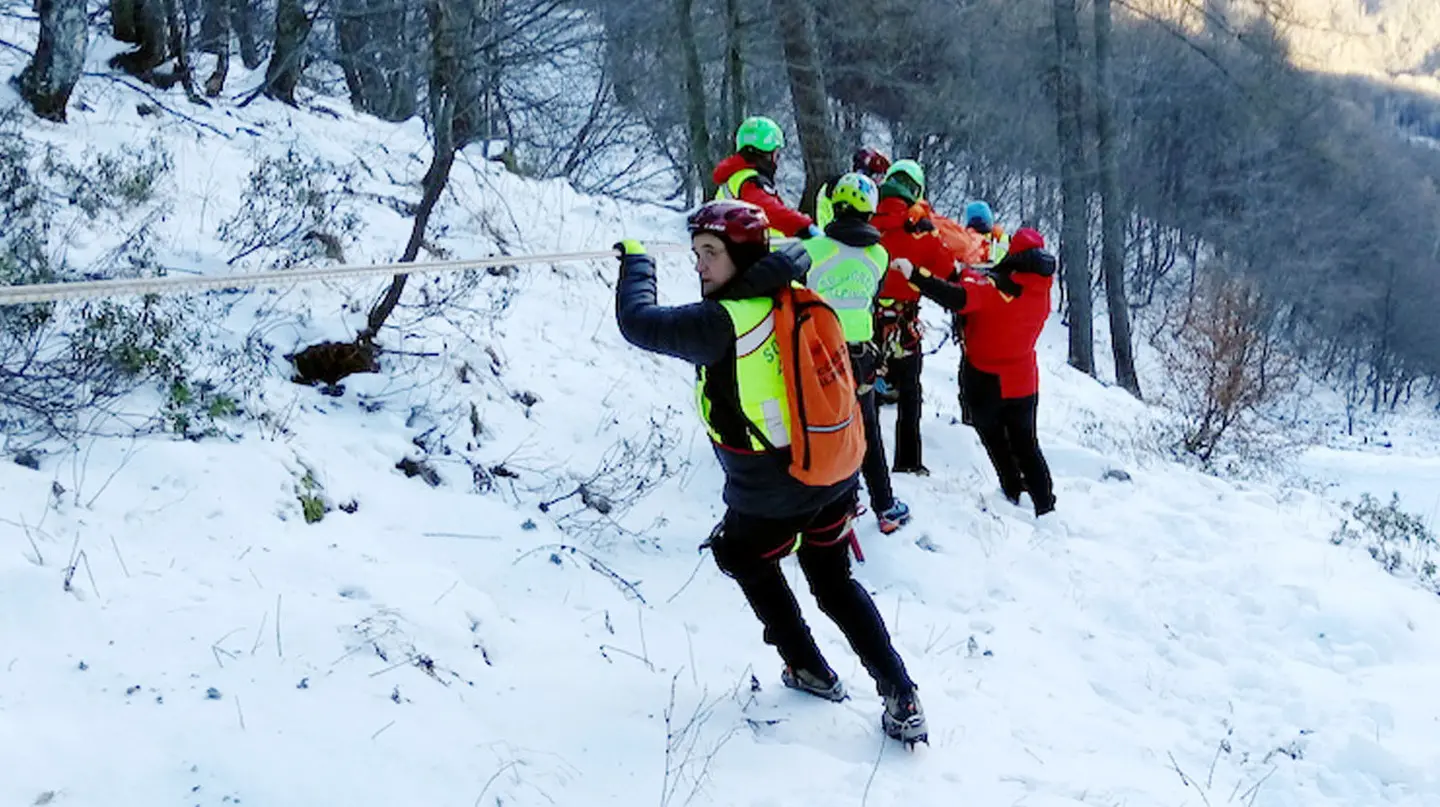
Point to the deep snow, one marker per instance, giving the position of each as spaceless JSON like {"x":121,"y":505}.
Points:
{"x":1174,"y":639}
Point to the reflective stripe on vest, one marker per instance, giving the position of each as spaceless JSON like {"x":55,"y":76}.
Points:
{"x":847,"y":278}
{"x":760,"y":382}
{"x":730,"y":189}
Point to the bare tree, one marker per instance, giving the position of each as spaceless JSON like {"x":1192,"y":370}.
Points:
{"x":142,"y":23}
{"x":377,"y":43}
{"x":696,"y":116}
{"x":1075,"y":234}
{"x":1112,"y":256}
{"x":287,"y":62}
{"x":215,"y":40}
{"x":47,"y":81}
{"x":734,"y":85}
{"x":807,"y":88}
{"x":453,"y":89}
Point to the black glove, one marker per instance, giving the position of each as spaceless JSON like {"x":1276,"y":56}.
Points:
{"x":920,"y":226}
{"x":1006,"y":284}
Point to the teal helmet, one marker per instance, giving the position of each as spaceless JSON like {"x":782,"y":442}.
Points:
{"x":909,"y":176}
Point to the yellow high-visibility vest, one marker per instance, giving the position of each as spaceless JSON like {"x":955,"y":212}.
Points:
{"x":847,"y":277}
{"x":760,"y":389}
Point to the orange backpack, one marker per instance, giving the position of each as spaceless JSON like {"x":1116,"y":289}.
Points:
{"x":967,"y":246}
{"x":827,"y":442}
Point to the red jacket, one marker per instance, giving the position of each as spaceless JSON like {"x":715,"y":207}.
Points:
{"x":760,"y":190}
{"x":896,"y":222}
{"x":1004,"y":315}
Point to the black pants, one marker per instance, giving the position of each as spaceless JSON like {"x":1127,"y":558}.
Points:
{"x":749,"y":549}
{"x":967,"y":415}
{"x":874,"y":468}
{"x":1007,"y":429}
{"x":958,"y":330}
{"x":903,"y":374}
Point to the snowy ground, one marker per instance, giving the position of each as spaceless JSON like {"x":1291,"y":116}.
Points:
{"x":172,"y":631}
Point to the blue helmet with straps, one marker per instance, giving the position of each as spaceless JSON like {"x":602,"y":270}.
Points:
{"x":979,"y":216}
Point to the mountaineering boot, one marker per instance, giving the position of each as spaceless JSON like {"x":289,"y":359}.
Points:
{"x":918,"y":470}
{"x":903,"y":719}
{"x":896,"y":517}
{"x":828,"y":687}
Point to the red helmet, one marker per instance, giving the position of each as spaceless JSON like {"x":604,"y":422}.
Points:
{"x":736,"y":222}
{"x":870,"y":161}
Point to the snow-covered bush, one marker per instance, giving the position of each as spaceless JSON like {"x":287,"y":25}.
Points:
{"x":1400,"y":541}
{"x":62,"y":363}
{"x":119,"y":181}
{"x":295,"y":207}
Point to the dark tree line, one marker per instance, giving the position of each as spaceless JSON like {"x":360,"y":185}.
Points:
{"x":1158,"y":146}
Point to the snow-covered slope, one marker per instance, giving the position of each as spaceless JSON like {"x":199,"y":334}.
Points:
{"x":172,"y":631}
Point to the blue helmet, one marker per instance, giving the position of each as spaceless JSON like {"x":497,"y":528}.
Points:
{"x":978,"y":216}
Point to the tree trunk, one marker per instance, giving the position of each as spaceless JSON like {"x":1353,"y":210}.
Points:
{"x":1074,"y":243}
{"x":456,"y":71}
{"x":292,"y":28}
{"x":179,"y":45}
{"x":734,"y":66}
{"x":1112,"y":256}
{"x":46,"y":82}
{"x":122,"y":20}
{"x":452,"y":83}
{"x":215,"y":40}
{"x":807,"y":90}
{"x":376,"y":54}
{"x":147,"y":28}
{"x":242,"y":18}
{"x":433,"y":185}
{"x":696,"y":116}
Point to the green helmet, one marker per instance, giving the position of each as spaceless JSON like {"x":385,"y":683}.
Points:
{"x":761,"y":134}
{"x":857,"y":191}
{"x":909,"y":173}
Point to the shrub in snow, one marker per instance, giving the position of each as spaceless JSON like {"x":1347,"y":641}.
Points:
{"x":103,"y":181}
{"x":296,"y":208}
{"x":1230,"y":380}
{"x":62,"y":363}
{"x":1400,"y":541}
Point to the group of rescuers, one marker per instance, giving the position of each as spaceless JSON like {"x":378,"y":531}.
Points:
{"x":876,"y":249}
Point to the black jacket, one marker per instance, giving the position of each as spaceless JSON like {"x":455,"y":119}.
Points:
{"x":702,"y":334}
{"x":853,"y":232}
{"x":952,"y":295}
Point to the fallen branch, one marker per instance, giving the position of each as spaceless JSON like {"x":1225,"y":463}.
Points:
{"x":595,"y":563}
{"x":120,"y":557}
{"x":1188,"y":782}
{"x":496,"y":775}
{"x":638,"y":658}
{"x":118,"y":79}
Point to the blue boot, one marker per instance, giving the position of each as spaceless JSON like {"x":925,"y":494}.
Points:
{"x":896,"y":517}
